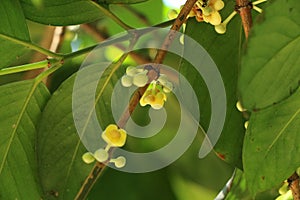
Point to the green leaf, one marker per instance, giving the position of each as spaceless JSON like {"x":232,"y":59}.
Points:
{"x":270,"y":68}
{"x":61,"y":168}
{"x":12,"y":24}
{"x":21,"y":105}
{"x":61,"y":12}
{"x":121,"y":1}
{"x":271,"y":147}
{"x":60,"y":149}
{"x":238,"y":189}
{"x":224,"y":50}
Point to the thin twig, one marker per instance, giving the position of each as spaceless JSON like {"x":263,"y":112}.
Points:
{"x":294,"y":185}
{"x":32,"y":46}
{"x":112,"y":16}
{"x":27,"y":67}
{"x":158,"y":60}
{"x":243,"y":7}
{"x":99,"y":36}
{"x":90,"y":181}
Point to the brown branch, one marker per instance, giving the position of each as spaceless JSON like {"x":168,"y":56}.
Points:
{"x":243,"y":7}
{"x":152,"y":74}
{"x":294,"y":185}
{"x":175,"y":27}
{"x":90,"y":181}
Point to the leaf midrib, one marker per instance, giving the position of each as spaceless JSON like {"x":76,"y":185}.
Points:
{"x":14,"y":130}
{"x":281,"y":132}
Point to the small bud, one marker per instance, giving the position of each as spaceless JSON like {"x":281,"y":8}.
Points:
{"x":119,"y":161}
{"x":131,"y":71}
{"x":246,"y":124}
{"x":140,"y":79}
{"x":126,"y":81}
{"x":101,"y":155}
{"x":88,"y":158}
{"x":284,"y":188}
{"x":221,"y":28}
{"x":172,"y":14}
{"x":240,"y":107}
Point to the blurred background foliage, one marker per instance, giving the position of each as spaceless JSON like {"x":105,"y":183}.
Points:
{"x":189,"y":177}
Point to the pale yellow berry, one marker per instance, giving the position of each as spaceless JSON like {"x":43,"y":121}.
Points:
{"x":126,"y":81}
{"x":119,"y":162}
{"x":140,"y":79}
{"x":88,"y":158}
{"x":101,"y":155}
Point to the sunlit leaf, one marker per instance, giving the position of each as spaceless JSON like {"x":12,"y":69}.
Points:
{"x":20,"y":108}
{"x":271,"y":147}
{"x":270,"y":68}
